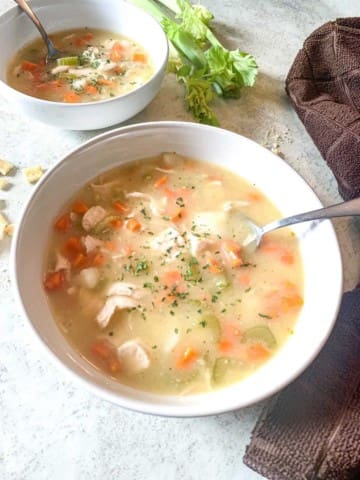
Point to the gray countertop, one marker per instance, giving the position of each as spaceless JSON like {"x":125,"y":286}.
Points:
{"x":53,"y":429}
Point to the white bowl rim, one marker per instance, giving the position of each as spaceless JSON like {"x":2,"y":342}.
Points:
{"x":15,"y":11}
{"x":140,"y":405}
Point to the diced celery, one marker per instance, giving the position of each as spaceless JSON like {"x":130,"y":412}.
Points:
{"x":193,"y":273}
{"x":68,"y":61}
{"x":260,"y":333}
{"x":104,"y":225}
{"x":211,"y":323}
{"x":222,"y":366}
{"x":221,"y":282}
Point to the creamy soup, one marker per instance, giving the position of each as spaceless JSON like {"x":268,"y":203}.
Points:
{"x":147,"y":276}
{"x":97,"y":65}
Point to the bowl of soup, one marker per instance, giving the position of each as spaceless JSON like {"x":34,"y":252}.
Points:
{"x":112,"y":64}
{"x":139,"y":283}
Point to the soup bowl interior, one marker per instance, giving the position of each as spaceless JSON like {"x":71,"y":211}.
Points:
{"x":115,"y":16}
{"x":279,"y":182}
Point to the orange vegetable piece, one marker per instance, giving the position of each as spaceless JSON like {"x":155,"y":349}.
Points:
{"x":232,"y":253}
{"x":91,"y":90}
{"x":133,"y":225}
{"x":63,"y":223}
{"x":118,"y":223}
{"x":225,"y":346}
{"x":54,"y":280}
{"x":117,"y":52}
{"x":28,"y":66}
{"x":120,"y":207}
{"x":257,"y":352}
{"x":187,"y":358}
{"x":215,"y":267}
{"x":105,"y":81}
{"x":72,"y":97}
{"x":79,"y":207}
{"x":73,"y":246}
{"x":79,"y":261}
{"x":254,"y":196}
{"x":84,"y":39}
{"x":97,"y":260}
{"x":244,"y":279}
{"x":139,"y":57}
{"x":178,"y":215}
{"x":110,"y":245}
{"x":52,"y":85}
{"x":171,"y":278}
{"x":161,"y":181}
{"x":105,"y":351}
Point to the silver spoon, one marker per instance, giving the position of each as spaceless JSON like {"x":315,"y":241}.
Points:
{"x":53,"y":53}
{"x":344,"y":209}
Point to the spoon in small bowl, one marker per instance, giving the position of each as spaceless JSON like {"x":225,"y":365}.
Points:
{"x":52,"y":52}
{"x":344,"y":209}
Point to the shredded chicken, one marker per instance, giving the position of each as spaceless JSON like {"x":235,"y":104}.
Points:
{"x":147,"y":198}
{"x":59,"y":69}
{"x":133,"y":356}
{"x":91,"y":243}
{"x":198,"y":245}
{"x":234,"y":204}
{"x":92,"y":217}
{"x":169,"y":240}
{"x":120,"y":295}
{"x":62,"y":263}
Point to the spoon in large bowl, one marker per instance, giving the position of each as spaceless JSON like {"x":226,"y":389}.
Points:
{"x":52,"y":52}
{"x":344,"y":209}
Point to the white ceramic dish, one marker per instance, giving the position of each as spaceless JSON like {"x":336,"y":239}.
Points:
{"x":16,"y":30}
{"x":323,"y":278}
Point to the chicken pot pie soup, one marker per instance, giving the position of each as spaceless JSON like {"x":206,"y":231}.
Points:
{"x":97,"y":65}
{"x":147,"y":278}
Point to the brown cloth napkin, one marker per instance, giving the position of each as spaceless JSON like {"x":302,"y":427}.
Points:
{"x":324,"y":87}
{"x":311,"y":431}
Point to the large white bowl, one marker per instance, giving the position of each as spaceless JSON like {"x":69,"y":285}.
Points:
{"x":16,"y":30}
{"x":289,"y":192}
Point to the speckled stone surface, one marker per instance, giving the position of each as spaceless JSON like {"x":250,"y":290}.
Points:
{"x":52,"y":429}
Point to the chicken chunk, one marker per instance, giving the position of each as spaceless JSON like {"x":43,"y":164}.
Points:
{"x":133,"y":356}
{"x":92,"y":217}
{"x":113,"y":303}
{"x":169,"y":240}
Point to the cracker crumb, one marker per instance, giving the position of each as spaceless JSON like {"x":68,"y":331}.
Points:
{"x":9,"y":229}
{"x":33,"y":174}
{"x":4,"y":184}
{"x":5,"y":167}
{"x":3,"y":224}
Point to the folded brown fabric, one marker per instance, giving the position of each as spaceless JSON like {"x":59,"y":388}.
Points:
{"x":311,"y":431}
{"x":324,"y":87}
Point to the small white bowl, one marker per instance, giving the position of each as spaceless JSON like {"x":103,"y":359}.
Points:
{"x":288,"y":191}
{"x":16,"y":30}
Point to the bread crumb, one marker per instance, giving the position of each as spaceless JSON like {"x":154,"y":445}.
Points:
{"x":5,"y":167}
{"x":3,"y":224}
{"x":3,"y":184}
{"x":9,"y":229}
{"x":33,"y":174}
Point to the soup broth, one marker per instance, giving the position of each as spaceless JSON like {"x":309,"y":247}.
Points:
{"x":147,"y":277}
{"x":97,"y":65}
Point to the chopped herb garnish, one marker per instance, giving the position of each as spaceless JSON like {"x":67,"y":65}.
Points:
{"x":180,"y":202}
{"x":214,"y":298}
{"x":172,"y":312}
{"x":166,"y":218}
{"x":176,"y":330}
{"x":263,"y":315}
{"x":203,"y":323}
{"x":154,"y":347}
{"x":148,"y":285}
{"x":141,"y":267}
{"x":248,"y":290}
{"x":156,"y":278}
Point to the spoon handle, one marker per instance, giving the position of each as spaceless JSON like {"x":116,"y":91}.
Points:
{"x":26,"y":9}
{"x":344,"y":209}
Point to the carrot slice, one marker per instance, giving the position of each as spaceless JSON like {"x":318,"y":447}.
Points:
{"x":105,"y":81}
{"x":91,"y":90}
{"x":73,"y":246}
{"x":215,"y":267}
{"x":187,"y":358}
{"x":232,"y":253}
{"x":118,"y":223}
{"x":72,"y":97}
{"x":133,"y":225}
{"x":139,"y":57}
{"x":97,"y":260}
{"x":105,"y":351}
{"x":117,"y":52}
{"x":79,"y":207}
{"x":257,"y":352}
{"x":84,"y":39}
{"x":161,"y":181}
{"x":29,"y":66}
{"x":244,"y":279}
{"x":120,"y":207}
{"x":63,"y":223}
{"x":54,"y":280}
